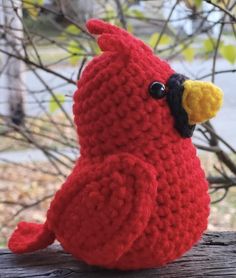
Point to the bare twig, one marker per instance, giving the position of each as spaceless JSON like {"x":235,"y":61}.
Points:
{"x":224,"y":10}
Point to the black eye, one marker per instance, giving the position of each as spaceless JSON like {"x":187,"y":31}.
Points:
{"x":157,"y":90}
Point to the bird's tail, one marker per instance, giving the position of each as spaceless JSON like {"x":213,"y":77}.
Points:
{"x":29,"y":237}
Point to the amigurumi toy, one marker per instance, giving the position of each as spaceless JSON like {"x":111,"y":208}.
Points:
{"x":137,"y":196}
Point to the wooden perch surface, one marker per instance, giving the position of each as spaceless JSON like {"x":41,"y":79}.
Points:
{"x":214,"y":256}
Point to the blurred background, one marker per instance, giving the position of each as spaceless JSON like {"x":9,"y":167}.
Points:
{"x":44,"y":47}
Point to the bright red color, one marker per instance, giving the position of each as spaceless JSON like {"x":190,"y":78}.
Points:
{"x":137,"y":197}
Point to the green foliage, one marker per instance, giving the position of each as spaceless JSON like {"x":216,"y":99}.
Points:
{"x":53,"y":105}
{"x":134,"y":13}
{"x":76,"y":52}
{"x":31,"y":7}
{"x":198,"y":3}
{"x":130,"y":28}
{"x":96,"y":48}
{"x":209,"y":45}
{"x":193,"y":4}
{"x":110,"y":14}
{"x":165,"y":39}
{"x":72,"y":30}
{"x":188,"y":54}
{"x":2,"y":244}
{"x":137,"y":13}
{"x":228,"y":52}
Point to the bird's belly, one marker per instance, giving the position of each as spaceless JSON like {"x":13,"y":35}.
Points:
{"x":177,"y":223}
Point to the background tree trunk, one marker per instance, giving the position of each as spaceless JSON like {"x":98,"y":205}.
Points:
{"x":12,"y":68}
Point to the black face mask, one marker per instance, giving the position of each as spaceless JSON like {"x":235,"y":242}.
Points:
{"x":174,"y":98}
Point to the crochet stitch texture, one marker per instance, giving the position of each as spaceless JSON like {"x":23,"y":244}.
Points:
{"x":137,"y":196}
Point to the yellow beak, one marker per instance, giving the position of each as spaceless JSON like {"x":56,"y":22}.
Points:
{"x":201,"y":100}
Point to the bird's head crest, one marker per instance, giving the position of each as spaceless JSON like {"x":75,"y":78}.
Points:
{"x":115,"y":39}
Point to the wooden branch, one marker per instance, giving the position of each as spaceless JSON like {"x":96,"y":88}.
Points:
{"x":220,"y":180}
{"x":121,"y":14}
{"x":216,"y":72}
{"x":224,"y":10}
{"x":214,"y":256}
{"x":216,"y":50}
{"x":68,"y":19}
{"x":165,"y":25}
{"x":222,"y":156}
{"x":29,"y":62}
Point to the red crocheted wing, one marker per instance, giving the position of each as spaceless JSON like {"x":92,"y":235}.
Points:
{"x":112,"y":38}
{"x":103,"y":209}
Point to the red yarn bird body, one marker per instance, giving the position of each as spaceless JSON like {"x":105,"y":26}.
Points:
{"x":137,"y":197}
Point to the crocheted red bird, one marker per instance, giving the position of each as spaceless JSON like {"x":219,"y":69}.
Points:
{"x":137,"y":196}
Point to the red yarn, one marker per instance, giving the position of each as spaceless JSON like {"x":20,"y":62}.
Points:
{"x":29,"y":237}
{"x":137,"y":197}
